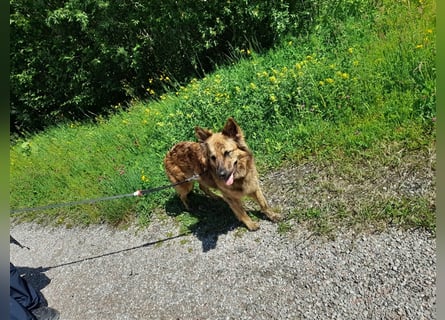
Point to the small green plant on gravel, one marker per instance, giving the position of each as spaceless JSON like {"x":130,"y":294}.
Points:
{"x":284,"y":227}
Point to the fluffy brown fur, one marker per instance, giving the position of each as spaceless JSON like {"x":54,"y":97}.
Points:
{"x":224,"y":162}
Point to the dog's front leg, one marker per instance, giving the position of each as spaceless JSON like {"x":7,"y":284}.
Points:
{"x":261,"y":200}
{"x":237,"y":208}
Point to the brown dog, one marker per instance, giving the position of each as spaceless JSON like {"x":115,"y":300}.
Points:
{"x":224,"y":162}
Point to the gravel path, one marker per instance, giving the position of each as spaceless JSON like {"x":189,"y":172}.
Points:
{"x":103,"y":273}
{"x":155,"y":273}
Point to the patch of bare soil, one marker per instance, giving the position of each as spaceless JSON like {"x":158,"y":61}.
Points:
{"x":358,"y":192}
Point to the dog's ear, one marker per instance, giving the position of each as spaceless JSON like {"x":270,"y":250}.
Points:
{"x":233,"y":130}
{"x":202,"y":134}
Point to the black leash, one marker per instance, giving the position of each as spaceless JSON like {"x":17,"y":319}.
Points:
{"x":136,"y":193}
{"x":12,"y":240}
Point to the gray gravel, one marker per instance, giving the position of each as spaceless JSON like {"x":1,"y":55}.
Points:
{"x":103,"y":273}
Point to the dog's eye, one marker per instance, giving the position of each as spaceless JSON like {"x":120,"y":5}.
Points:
{"x":227,"y":153}
{"x":213,"y":158}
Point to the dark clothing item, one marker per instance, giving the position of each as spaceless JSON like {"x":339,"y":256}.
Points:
{"x":22,"y":297}
{"x":18,"y":312}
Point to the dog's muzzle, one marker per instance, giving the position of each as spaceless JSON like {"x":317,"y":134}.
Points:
{"x":225,"y":175}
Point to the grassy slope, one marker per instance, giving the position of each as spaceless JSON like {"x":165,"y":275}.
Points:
{"x":362,"y":81}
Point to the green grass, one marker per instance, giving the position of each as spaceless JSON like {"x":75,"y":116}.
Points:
{"x":362,"y":78}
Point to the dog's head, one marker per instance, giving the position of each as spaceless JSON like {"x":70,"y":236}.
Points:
{"x":227,"y":151}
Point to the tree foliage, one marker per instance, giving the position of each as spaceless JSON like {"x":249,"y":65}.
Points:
{"x":77,"y":58}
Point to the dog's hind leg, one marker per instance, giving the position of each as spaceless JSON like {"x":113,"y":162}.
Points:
{"x":183,"y":190}
{"x":208,"y":192}
{"x":261,"y":200}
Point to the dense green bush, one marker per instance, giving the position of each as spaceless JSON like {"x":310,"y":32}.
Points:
{"x":76,"y":58}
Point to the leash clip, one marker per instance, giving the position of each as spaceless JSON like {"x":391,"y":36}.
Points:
{"x":193,"y":178}
{"x":138,"y":193}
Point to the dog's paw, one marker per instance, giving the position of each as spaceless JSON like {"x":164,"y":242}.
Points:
{"x":273,"y":216}
{"x":276,"y":217}
{"x":253,"y":226}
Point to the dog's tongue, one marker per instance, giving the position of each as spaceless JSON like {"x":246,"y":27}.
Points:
{"x":229,"y":180}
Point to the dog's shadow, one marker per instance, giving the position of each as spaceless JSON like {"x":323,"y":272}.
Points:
{"x":207,"y":219}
